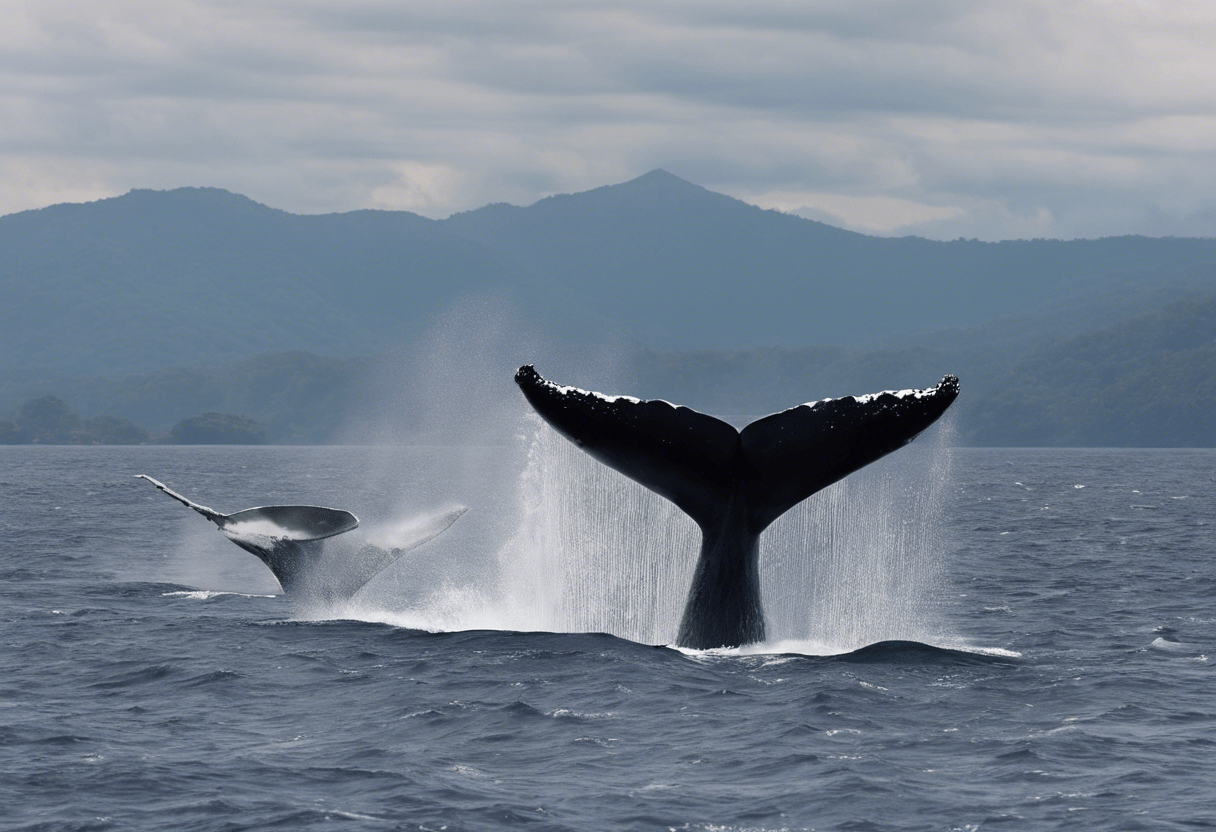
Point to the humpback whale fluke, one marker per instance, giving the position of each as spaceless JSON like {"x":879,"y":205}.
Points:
{"x":289,"y":540}
{"x":732,"y":483}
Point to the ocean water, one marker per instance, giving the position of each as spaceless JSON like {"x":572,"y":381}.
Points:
{"x":962,"y":640}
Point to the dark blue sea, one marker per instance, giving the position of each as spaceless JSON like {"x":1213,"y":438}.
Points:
{"x":960,"y":640}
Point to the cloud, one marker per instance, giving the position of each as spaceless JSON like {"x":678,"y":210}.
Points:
{"x":869,"y":214}
{"x":420,"y":189}
{"x":34,"y":181}
{"x":986,"y":118}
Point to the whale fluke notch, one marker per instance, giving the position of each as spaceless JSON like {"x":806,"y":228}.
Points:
{"x":734,"y":484}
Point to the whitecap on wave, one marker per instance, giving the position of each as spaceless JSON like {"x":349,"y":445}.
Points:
{"x":208,"y":594}
{"x":1170,"y":646}
{"x":452,"y":610}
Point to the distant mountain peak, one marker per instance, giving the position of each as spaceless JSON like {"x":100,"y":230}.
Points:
{"x":660,"y":175}
{"x":653,"y":188}
{"x":190,"y":195}
{"x":151,"y":200}
{"x":659,"y":179}
{"x":186,"y":191}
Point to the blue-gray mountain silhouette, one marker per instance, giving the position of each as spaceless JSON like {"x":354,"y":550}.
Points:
{"x":196,"y":276}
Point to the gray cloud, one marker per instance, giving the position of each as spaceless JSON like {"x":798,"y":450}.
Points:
{"x":987,"y":119}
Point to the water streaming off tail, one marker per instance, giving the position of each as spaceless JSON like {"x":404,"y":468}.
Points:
{"x":861,"y":561}
{"x":595,"y":552}
{"x":855,"y":564}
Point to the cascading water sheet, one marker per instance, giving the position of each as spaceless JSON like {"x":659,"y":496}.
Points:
{"x":862,"y":561}
{"x":595,"y":551}
{"x":857,"y":563}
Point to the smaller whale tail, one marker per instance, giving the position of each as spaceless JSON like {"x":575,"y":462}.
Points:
{"x":294,"y":522}
{"x":288,"y":539}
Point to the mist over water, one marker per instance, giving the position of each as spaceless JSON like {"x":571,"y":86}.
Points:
{"x":449,"y":428}
{"x":556,"y":541}
{"x":199,"y":555}
{"x":594,"y":551}
{"x":454,"y":384}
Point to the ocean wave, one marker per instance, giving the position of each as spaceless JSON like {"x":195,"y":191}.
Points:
{"x":208,"y":594}
{"x":882,"y":651}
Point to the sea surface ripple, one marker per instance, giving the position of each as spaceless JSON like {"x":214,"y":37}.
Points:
{"x":143,"y":689}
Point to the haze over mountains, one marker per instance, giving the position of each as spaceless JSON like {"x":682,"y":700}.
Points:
{"x":726,"y":306}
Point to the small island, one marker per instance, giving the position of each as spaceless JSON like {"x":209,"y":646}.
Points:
{"x":49,"y":420}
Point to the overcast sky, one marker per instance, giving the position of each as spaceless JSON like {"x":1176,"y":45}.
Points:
{"x":939,"y":118}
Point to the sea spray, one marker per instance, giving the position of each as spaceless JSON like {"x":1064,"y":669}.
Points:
{"x":557,"y":541}
{"x":198,"y":556}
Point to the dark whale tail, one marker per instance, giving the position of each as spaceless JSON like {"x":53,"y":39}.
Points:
{"x":733,"y":484}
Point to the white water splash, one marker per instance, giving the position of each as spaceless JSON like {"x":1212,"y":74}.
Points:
{"x":566,"y":544}
{"x":442,"y":609}
{"x":412,"y":530}
{"x":263,"y":529}
{"x":208,"y":594}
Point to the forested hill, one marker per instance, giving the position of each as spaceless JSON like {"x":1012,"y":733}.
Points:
{"x":202,"y":277}
{"x":1148,"y":380}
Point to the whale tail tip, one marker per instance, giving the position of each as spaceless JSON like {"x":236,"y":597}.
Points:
{"x":526,"y":373}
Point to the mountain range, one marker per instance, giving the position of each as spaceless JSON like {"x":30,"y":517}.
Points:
{"x":158,"y":305}
{"x":197,"y":276}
